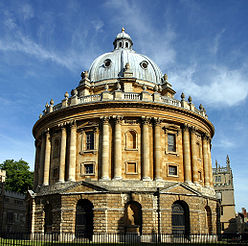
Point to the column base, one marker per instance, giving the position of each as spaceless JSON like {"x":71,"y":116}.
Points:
{"x":71,"y":180}
{"x":60,"y":182}
{"x":158,"y":179}
{"x":146,"y":179}
{"x":104,"y":179}
{"x":117,"y":178}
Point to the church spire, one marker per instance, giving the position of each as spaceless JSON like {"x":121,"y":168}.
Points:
{"x":227,"y":161}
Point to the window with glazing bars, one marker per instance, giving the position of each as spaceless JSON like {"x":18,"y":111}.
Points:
{"x":90,"y":140}
{"x":171,"y":142}
{"x":88,"y":168}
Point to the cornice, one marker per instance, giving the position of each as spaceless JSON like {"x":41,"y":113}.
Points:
{"x":68,"y":113}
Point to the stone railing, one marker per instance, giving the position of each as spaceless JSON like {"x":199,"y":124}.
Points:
{"x":170,"y":101}
{"x":90,"y":98}
{"x":123,"y":96}
{"x":220,"y":170}
{"x":131,"y":96}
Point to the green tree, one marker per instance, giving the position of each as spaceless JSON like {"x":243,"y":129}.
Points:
{"x":19,"y":177}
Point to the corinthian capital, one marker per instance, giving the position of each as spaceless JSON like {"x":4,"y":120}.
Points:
{"x":105,"y":119}
{"x":146,"y":120}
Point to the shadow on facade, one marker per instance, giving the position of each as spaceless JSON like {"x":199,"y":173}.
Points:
{"x":130,"y":225}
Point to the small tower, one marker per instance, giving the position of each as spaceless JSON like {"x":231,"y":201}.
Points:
{"x":223,"y":185}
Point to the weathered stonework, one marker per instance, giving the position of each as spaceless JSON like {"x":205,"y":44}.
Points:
{"x":121,"y":155}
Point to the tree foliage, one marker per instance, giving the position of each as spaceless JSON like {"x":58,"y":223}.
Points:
{"x":18,"y":176}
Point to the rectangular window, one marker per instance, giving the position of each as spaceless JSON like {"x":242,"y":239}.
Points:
{"x":131,"y":168}
{"x":173,"y":170}
{"x":10,"y":218}
{"x":198,"y":150}
{"x":88,"y":169}
{"x":200,"y":175}
{"x":217,"y":179}
{"x":55,"y":172}
{"x":89,"y":140}
{"x":56,"y":145}
{"x":171,"y":142}
{"x":222,"y":226}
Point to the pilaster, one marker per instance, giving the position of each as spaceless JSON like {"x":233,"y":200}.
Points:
{"x":62,"y":155}
{"x":42,"y":157}
{"x":186,"y":154}
{"x":72,"y":157}
{"x":194,"y":155}
{"x":157,"y":147}
{"x":105,"y":149}
{"x":47,"y":159}
{"x":117,"y":148}
{"x":145,"y":149}
{"x":206,"y":160}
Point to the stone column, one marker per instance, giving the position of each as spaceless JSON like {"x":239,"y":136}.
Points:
{"x":36,"y":167}
{"x":186,"y":155}
{"x":47,"y":159}
{"x":157,"y":148}
{"x":105,"y":149}
{"x":206,"y":160}
{"x":145,"y":150}
{"x":72,"y":156}
{"x":194,"y":156}
{"x":42,"y":157}
{"x":62,"y":155}
{"x":118,"y":149}
{"x":210,"y":163}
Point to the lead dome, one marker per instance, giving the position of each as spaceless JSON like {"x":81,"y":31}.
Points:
{"x":111,"y":65}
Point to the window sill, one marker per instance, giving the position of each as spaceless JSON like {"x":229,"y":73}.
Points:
{"x":171,"y":153}
{"x":174,"y":176}
{"x":131,"y":149}
{"x":88,"y":151}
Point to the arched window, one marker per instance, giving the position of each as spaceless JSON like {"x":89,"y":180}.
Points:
{"x":180,"y":218}
{"x":126,"y":44}
{"x":84,"y":219}
{"x":209,"y":219}
{"x":131,"y":140}
{"x":48,"y":218}
{"x":133,"y":217}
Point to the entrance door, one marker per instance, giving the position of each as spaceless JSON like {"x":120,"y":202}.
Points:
{"x":178,"y":219}
{"x":84,"y":219}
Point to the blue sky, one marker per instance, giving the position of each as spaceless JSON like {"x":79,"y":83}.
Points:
{"x":201,"y":45}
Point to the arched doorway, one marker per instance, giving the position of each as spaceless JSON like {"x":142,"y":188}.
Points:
{"x":180,"y":218}
{"x":48,"y":218}
{"x":209,"y":219}
{"x":133,"y":217}
{"x":84,"y":219}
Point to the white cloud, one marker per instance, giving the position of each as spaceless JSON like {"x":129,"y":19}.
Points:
{"x":224,"y":143}
{"x":98,"y":25}
{"x":27,"y":46}
{"x":27,"y":11}
{"x":222,"y":87}
{"x":216,"y":42}
{"x":133,"y":17}
{"x":9,"y":21}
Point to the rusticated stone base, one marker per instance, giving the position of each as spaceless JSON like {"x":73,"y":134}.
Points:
{"x":111,"y":213}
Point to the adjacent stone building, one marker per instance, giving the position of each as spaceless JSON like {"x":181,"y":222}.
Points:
{"x":223,"y":185}
{"x":12,"y":208}
{"x":122,"y":155}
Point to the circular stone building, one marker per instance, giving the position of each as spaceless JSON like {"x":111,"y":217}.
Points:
{"x":121,"y":155}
